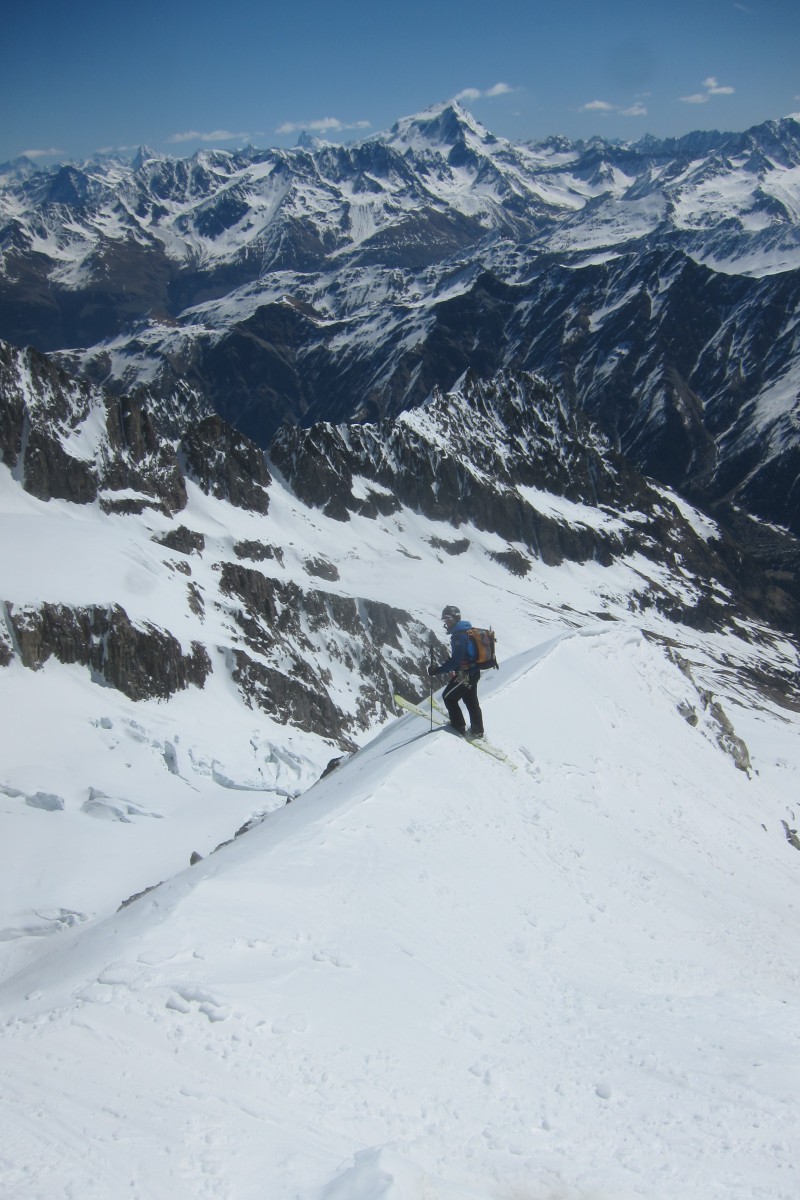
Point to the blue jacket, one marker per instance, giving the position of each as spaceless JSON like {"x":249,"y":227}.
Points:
{"x":462,"y":651}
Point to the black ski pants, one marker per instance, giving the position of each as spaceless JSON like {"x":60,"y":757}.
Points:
{"x":464,"y":687}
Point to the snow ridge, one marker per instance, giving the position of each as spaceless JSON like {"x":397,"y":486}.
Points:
{"x":626,"y":1033}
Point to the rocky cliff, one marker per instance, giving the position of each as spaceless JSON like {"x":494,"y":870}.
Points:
{"x":70,"y":441}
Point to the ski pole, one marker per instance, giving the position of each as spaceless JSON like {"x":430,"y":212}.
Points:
{"x":430,"y":647}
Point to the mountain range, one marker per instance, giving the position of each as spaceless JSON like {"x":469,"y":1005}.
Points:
{"x":655,"y":283}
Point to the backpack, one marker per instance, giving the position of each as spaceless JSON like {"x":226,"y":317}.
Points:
{"x":481,"y":645}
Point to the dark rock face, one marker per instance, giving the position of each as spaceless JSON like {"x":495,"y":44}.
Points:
{"x":140,"y":458}
{"x":481,"y":456}
{"x":6,"y":646}
{"x":185,"y":541}
{"x":470,"y":457}
{"x":258,"y":551}
{"x":68,"y":440}
{"x":452,"y":547}
{"x":143,"y":662}
{"x":227,"y":465}
{"x":301,"y":702}
{"x":322,"y":568}
{"x":12,"y":408}
{"x":382,"y":648}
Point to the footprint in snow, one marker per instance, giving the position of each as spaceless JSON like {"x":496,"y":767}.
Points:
{"x":183,"y":999}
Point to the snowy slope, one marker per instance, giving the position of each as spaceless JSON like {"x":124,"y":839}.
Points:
{"x":106,"y":791}
{"x":430,"y":977}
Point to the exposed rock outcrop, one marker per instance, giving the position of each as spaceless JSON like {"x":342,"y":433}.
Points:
{"x":510,"y":457}
{"x":478,"y":456}
{"x":69,"y":440}
{"x":185,"y":541}
{"x":292,"y":638}
{"x":227,"y":465}
{"x":142,"y":661}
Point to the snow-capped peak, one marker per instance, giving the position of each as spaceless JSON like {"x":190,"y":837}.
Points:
{"x":445,"y":124}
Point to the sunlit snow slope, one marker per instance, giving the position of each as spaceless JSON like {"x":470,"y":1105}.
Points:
{"x":433,"y":978}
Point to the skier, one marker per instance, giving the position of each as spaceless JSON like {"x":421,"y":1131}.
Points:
{"x":463,"y":683}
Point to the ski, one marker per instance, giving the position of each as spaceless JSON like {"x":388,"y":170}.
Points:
{"x":438,"y":715}
{"x":482,"y":744}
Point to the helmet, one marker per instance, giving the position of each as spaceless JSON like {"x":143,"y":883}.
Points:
{"x":451,"y":613}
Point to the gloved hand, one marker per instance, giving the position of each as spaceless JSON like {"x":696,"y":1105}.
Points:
{"x":431,"y":670}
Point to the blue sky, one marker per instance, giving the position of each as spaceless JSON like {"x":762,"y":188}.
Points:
{"x":76,"y":79}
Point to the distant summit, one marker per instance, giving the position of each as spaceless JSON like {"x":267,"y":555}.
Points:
{"x":17,"y":169}
{"x":144,"y":154}
{"x":447,"y":124}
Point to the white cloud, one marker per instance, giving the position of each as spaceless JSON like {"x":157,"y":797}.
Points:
{"x":597,"y":106}
{"x":53,"y":152}
{"x":322,"y":125}
{"x":713,"y":88}
{"x":497,"y":89}
{"x":217,"y":135}
{"x":637,"y":109}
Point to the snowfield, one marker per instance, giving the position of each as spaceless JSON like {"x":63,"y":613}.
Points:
{"x":430,"y":976}
{"x":423,"y":975}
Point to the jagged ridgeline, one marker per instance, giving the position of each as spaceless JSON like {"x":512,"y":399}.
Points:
{"x":506,"y":458}
{"x":655,"y":283}
{"x":494,"y":453}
